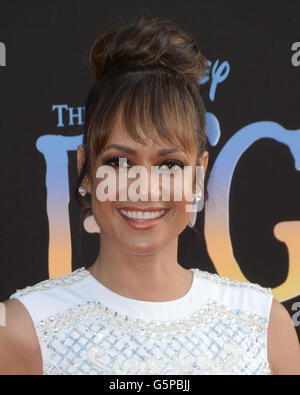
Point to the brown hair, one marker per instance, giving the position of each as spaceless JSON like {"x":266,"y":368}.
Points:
{"x":149,"y":70}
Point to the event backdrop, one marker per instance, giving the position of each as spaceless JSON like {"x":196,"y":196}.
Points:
{"x":250,"y":229}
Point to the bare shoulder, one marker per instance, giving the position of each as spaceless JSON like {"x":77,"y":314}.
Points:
{"x":20,"y":350}
{"x":283,"y":343}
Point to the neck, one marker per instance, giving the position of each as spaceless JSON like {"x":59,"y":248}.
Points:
{"x":153,"y":277}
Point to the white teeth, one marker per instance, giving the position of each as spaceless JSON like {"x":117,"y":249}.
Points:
{"x":142,"y":215}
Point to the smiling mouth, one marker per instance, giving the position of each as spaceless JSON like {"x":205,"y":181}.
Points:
{"x":142,"y":219}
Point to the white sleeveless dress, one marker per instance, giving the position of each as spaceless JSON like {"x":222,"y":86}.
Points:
{"x":218,"y":327}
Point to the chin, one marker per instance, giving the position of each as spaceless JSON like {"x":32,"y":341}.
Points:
{"x":141,"y":249}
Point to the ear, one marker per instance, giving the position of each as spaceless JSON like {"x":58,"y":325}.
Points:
{"x":80,"y":161}
{"x":203,"y":160}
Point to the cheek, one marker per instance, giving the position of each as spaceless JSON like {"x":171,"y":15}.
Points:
{"x":102,"y":211}
{"x":182,"y":215}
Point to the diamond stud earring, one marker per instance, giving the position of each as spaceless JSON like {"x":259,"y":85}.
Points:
{"x":82,"y":190}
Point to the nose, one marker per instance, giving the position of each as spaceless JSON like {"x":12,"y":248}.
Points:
{"x":144,"y":186}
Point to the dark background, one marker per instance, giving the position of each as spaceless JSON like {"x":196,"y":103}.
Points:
{"x":46,"y":48}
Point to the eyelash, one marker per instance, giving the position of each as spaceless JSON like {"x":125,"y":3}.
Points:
{"x":114,"y":160}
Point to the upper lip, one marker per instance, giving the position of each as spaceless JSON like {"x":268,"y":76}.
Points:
{"x":130,"y":208}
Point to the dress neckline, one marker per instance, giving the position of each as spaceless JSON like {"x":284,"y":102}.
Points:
{"x":109,"y":295}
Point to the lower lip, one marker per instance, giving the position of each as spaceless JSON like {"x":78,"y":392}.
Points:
{"x":149,"y":223}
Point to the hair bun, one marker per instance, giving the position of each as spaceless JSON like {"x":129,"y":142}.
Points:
{"x":147,"y":42}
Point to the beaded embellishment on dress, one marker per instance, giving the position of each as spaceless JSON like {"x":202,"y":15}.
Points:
{"x":92,"y":339}
{"x":66,"y":280}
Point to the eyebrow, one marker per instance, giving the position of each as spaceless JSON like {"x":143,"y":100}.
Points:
{"x":132,"y":151}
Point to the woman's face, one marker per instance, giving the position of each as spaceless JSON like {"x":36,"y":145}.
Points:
{"x":140,"y":227}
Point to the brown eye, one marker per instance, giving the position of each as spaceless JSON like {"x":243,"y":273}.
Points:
{"x":174,"y":164}
{"x":117,"y":162}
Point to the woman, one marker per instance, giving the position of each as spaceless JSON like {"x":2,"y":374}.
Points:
{"x":136,"y":310}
